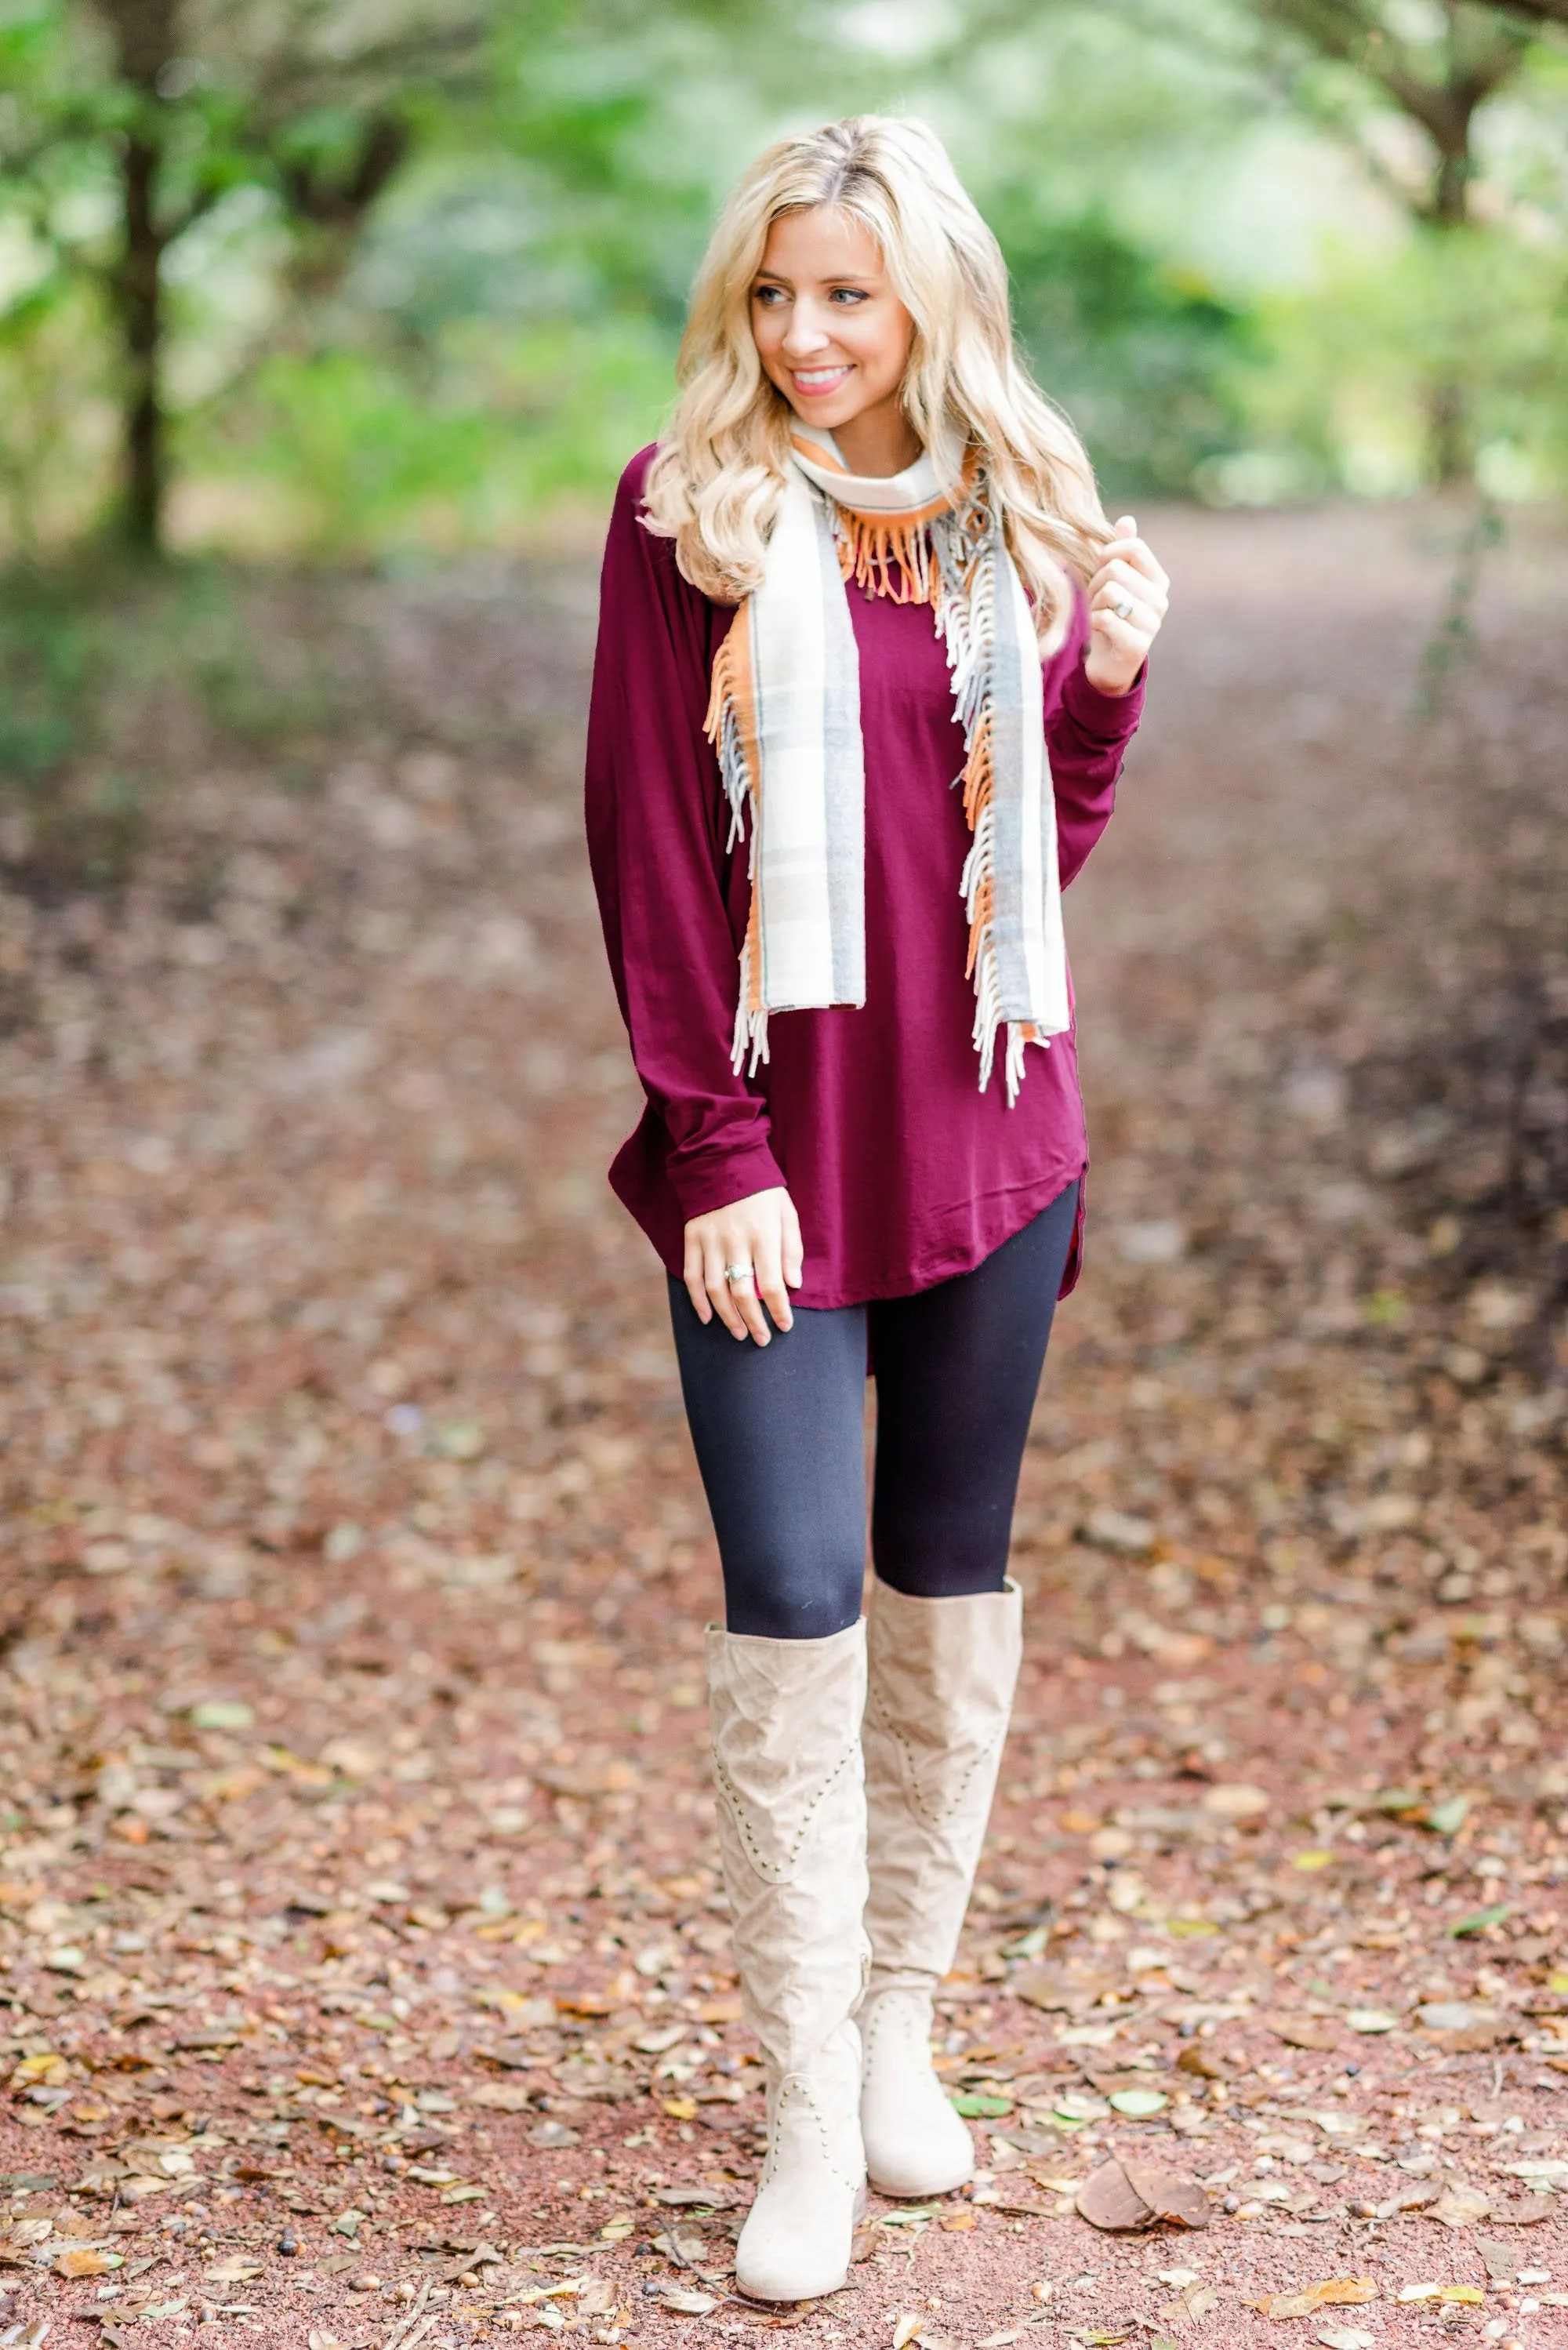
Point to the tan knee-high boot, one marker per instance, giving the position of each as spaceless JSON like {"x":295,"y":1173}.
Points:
{"x":941,"y":1677}
{"x":785,"y":1716}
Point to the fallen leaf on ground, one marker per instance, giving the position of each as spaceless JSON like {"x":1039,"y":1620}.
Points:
{"x":1528,"y":2212}
{"x":1169,"y":2194}
{"x":47,"y":2070}
{"x":86,"y":2261}
{"x":1235,"y":1802}
{"x":1305,"y":2032}
{"x":1124,"y":2196}
{"x":1115,"y":1529}
{"x":1409,"y":2198}
{"x":1108,"y":2199}
{"x":1140,"y":2105}
{"x":1333,"y":2293}
{"x":1465,"y":2024}
{"x":234,"y":2270}
{"x":1463,"y":1929}
{"x":1195,"y":2301}
{"x":1460,"y":2206}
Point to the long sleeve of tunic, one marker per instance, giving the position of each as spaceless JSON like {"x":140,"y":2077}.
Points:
{"x":902,"y":1171}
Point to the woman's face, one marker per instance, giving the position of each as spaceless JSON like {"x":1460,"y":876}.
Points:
{"x":831,"y":335}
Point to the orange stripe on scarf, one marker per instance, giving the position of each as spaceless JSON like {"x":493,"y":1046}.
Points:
{"x":980,"y":924}
{"x":979,"y":779}
{"x":978,"y":776}
{"x":735,"y":695}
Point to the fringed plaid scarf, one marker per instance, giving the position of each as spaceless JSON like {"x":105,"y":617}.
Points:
{"x":785,"y":720}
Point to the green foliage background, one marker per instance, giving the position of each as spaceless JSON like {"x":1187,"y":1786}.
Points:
{"x":1215,"y":273}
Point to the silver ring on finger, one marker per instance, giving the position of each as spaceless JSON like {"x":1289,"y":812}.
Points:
{"x":734,"y":1273}
{"x":1122,"y":608}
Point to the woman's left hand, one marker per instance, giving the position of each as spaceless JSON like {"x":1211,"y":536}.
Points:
{"x":1129,"y":598}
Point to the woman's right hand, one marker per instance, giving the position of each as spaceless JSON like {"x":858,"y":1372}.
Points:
{"x":762,"y":1231}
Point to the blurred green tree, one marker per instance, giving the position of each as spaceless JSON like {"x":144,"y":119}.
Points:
{"x":1437,"y":65}
{"x":159,"y":109}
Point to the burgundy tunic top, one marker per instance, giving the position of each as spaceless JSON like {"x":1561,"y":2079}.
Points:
{"x":902,"y":1171}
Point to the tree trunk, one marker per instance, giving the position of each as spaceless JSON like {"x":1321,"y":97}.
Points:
{"x":1449,"y":454}
{"x":145,"y":34}
{"x":1451,"y":187}
{"x":1448,"y":433}
{"x":140,"y":290}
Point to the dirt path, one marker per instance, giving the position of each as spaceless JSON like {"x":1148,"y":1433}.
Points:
{"x":365,"y":1949}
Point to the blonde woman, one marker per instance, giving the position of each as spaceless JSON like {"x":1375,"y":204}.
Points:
{"x":869,"y":657}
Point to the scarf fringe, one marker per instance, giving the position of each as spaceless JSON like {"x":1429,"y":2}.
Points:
{"x":730,"y":727}
{"x":869,"y":546}
{"x":966,"y":544}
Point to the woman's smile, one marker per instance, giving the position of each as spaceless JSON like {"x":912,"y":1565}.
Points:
{"x":814,"y":380}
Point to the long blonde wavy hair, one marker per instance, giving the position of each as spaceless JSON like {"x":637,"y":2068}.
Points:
{"x":714,"y":486}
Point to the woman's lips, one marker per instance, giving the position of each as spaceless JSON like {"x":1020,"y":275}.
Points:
{"x":813,"y":382}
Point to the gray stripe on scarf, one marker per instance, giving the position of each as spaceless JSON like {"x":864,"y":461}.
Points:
{"x":1010,"y":917}
{"x":844,"y":770}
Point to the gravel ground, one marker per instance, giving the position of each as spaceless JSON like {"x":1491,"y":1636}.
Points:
{"x":367,"y":1969}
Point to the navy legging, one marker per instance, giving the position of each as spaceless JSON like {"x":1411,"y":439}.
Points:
{"x":779,"y":1434}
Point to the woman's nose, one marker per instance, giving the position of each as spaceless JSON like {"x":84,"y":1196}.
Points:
{"x":806,"y":333}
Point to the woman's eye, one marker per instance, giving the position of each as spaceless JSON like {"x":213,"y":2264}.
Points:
{"x":770,"y":297}
{"x":848,"y":294}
